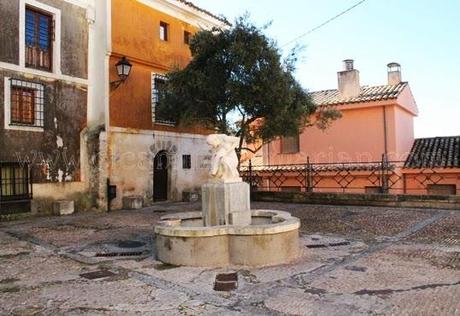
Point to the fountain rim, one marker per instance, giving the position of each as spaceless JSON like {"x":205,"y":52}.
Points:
{"x":284,"y":223}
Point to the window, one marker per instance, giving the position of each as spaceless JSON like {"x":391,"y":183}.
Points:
{"x":290,"y":144}
{"x":160,"y":115}
{"x":164,"y":28}
{"x":24,"y":105}
{"x":14,"y":182}
{"x":186,"y":161}
{"x":38,"y":39}
{"x":187,"y":36}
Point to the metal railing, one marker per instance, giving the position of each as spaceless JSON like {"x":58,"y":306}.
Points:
{"x":390,"y":177}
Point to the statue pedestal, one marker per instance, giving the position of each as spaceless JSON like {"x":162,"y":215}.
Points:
{"x":226,"y":204}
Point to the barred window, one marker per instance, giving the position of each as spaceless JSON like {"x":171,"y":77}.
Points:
{"x":38,"y":39}
{"x":290,"y":144}
{"x":186,"y":161}
{"x":14,"y":181}
{"x":27,"y":103}
{"x":160,"y":115}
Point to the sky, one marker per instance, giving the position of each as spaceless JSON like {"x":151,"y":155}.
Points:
{"x":421,"y":35}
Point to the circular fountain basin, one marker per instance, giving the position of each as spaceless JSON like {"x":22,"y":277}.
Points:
{"x":271,"y":239}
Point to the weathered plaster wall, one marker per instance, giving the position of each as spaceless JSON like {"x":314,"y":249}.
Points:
{"x":74,"y":36}
{"x":131,"y":163}
{"x":9,"y":34}
{"x":55,"y":152}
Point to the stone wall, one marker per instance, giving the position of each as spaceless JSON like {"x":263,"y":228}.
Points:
{"x":389,"y":200}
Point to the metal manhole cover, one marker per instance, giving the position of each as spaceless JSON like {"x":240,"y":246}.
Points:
{"x":119,"y":254}
{"x":130,"y":244}
{"x":99,"y":274}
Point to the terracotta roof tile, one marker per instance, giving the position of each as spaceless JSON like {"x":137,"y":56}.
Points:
{"x":367,"y":93}
{"x":191,"y":5}
{"x":435,"y":152}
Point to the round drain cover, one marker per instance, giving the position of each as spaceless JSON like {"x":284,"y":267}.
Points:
{"x":130,"y":244}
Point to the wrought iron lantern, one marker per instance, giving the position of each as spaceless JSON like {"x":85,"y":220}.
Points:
{"x":123,"y":69}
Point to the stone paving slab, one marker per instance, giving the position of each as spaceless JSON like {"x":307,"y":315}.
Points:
{"x":365,"y":223}
{"x":387,"y":262}
{"x":446,"y":231}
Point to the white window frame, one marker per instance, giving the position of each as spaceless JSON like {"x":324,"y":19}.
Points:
{"x":56,"y":14}
{"x":7,"y":108}
{"x":154,"y":101}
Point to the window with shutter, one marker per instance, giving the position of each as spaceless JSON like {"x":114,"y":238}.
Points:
{"x":26,"y":103}
{"x":38,"y":39}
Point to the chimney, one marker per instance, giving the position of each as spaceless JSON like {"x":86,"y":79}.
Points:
{"x":394,"y":73}
{"x":348,"y":80}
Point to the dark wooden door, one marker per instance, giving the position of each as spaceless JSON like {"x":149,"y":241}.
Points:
{"x":160,"y":177}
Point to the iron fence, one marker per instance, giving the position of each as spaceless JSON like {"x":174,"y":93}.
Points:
{"x":391,"y":177}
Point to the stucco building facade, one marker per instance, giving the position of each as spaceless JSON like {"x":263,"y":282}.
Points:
{"x":141,"y":153}
{"x":43,"y":100}
{"x":371,"y":148}
{"x":70,"y":128}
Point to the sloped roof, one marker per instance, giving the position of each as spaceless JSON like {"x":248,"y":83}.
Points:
{"x":193,"y":6}
{"x":367,"y":93}
{"x":435,"y":152}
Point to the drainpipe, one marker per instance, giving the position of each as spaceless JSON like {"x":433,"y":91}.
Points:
{"x":385,"y":142}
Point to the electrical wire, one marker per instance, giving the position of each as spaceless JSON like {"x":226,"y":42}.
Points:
{"x":324,"y":23}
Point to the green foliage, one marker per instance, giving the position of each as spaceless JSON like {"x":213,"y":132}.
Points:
{"x":237,"y":83}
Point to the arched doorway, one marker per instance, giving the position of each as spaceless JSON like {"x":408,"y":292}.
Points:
{"x":160,"y":176}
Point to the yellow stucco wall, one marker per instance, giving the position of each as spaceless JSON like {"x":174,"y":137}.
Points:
{"x":136,"y":35}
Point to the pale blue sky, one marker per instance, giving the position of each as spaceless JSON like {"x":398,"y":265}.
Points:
{"x":422,"y":35}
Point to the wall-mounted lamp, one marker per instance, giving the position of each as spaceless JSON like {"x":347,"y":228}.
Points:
{"x":123,"y":70}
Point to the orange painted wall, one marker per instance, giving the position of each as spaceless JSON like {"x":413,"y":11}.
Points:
{"x":135,"y":34}
{"x":414,"y":179}
{"x":357,"y":135}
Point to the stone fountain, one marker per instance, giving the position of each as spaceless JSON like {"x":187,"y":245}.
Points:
{"x":227,"y":232}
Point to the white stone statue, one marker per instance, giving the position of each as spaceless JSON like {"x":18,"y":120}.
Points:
{"x":224,"y":161}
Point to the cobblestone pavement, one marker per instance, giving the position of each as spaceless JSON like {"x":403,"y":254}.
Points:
{"x":390,"y":262}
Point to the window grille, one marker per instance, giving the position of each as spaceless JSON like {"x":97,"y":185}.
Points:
{"x":186,"y":161}
{"x":159,"y":114}
{"x":27,"y":103}
{"x":38,"y":39}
